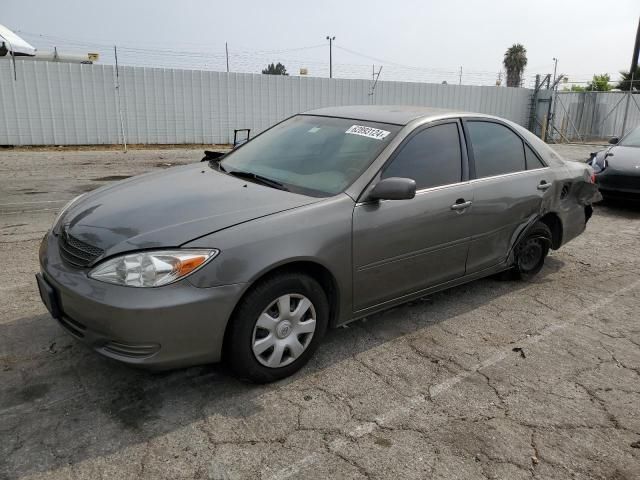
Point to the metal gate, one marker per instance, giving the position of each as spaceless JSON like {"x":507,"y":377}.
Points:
{"x":587,"y":117}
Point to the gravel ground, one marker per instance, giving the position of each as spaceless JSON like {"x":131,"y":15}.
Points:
{"x":492,"y":379}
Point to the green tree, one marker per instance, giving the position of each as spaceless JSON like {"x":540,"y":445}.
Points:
{"x":515,"y":59}
{"x":599,"y":83}
{"x":575,"y":88}
{"x":275,"y":69}
{"x":625,"y":82}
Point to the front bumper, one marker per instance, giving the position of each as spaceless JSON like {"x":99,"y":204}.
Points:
{"x":166,"y":327}
{"x":618,"y":182}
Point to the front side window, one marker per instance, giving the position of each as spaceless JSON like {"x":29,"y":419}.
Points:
{"x":496,"y":149}
{"x":312,"y":155}
{"x":432,"y":157}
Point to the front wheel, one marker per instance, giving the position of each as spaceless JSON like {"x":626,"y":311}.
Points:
{"x":277,"y":327}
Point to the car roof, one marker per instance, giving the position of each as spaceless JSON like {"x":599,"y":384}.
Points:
{"x":396,"y":114}
{"x":405,"y":114}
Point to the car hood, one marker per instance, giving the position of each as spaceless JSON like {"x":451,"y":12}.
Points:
{"x":624,"y":159}
{"x":170,"y":208}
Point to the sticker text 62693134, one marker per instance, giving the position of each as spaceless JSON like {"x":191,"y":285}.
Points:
{"x":367,"y":132}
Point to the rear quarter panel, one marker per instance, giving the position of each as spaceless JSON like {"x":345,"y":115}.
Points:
{"x":569,"y":207}
{"x":572,"y":192}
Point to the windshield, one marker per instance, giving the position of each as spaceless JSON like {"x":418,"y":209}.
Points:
{"x":319,"y":156}
{"x":632,"y":139}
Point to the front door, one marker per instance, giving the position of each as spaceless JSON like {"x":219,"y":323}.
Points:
{"x":403,"y":246}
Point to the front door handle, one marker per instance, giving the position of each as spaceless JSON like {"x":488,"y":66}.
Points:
{"x":543,"y":185}
{"x":461,"y":204}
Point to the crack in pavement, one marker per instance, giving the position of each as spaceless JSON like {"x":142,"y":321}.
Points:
{"x":367,"y":428}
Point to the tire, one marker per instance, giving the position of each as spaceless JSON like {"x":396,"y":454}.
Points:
{"x":531,"y":251}
{"x":261,"y":320}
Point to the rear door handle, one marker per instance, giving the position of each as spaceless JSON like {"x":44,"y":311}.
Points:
{"x":461,"y":204}
{"x":543,"y":185}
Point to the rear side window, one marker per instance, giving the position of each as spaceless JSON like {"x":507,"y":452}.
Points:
{"x":533,"y":161}
{"x":496,"y":149}
{"x":432,"y":157}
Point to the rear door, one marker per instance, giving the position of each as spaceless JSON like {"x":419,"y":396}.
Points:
{"x":401,"y":246}
{"x":509,"y":180}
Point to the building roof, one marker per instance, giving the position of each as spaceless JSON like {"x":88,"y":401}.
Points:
{"x":397,"y":114}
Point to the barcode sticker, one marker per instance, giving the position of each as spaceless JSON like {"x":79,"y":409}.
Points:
{"x":368,"y":132}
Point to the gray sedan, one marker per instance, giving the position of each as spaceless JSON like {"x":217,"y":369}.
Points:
{"x":325,"y":218}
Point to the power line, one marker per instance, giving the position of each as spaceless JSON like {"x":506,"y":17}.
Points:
{"x":243,"y":60}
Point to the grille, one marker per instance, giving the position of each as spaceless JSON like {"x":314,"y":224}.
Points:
{"x":76,"y":252}
{"x":629,"y":182}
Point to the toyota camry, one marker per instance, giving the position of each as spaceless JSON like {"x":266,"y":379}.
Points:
{"x":324,"y":218}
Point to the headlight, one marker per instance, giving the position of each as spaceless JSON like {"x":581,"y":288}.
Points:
{"x":64,"y":210}
{"x":152,"y":268}
{"x":599,"y":164}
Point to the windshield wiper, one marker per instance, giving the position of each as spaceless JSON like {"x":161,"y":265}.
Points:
{"x":255,"y":177}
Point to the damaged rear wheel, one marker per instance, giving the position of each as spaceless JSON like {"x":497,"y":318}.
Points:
{"x":531,"y":252}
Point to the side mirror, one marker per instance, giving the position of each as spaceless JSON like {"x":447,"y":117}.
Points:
{"x":394,"y":188}
{"x":239,"y":143}
{"x":614,"y":140}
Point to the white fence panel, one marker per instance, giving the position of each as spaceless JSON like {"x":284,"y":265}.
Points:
{"x":71,"y":104}
{"x":594,"y":115}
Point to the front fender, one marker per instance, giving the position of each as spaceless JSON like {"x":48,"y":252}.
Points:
{"x":319,"y":233}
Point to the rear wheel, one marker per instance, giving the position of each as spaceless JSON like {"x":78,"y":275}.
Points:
{"x":277,"y":327}
{"x":531,"y":252}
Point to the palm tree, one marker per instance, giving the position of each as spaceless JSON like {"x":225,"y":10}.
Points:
{"x":625,"y":82}
{"x":515,"y":59}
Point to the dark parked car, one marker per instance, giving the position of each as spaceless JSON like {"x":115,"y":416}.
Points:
{"x":617,"y":168}
{"x":326,"y":217}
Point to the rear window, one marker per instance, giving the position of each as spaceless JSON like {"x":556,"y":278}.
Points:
{"x":533,"y":161}
{"x":496,"y":149}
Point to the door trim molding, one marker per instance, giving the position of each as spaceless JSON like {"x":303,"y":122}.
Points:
{"x":510,"y":174}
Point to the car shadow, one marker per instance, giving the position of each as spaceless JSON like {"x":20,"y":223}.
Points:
{"x":620,"y":207}
{"x":61,"y":403}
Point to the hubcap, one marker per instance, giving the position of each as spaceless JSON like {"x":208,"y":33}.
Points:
{"x":284,"y":330}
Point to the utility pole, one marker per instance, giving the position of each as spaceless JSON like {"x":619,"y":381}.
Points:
{"x":226,"y":49}
{"x":331,"y":39}
{"x":460,"y":76}
{"x":632,"y":71}
{"x":552,"y":117}
{"x":636,"y":53}
{"x":375,"y":78}
{"x":13,"y":58}
{"x":124,"y":137}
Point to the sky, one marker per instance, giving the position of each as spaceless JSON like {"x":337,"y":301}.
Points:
{"x":412,"y":40}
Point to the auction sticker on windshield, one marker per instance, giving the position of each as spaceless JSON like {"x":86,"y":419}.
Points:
{"x":367,"y":132}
